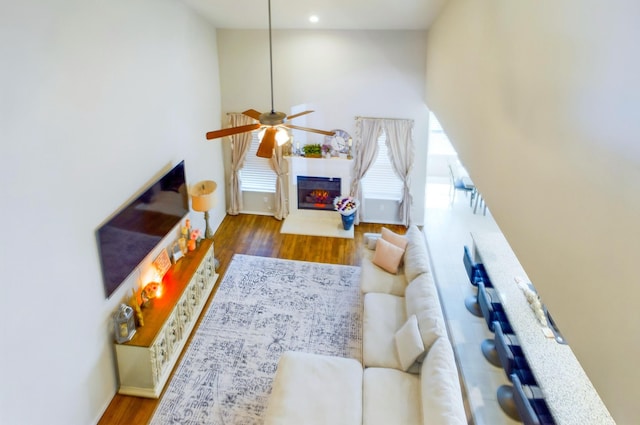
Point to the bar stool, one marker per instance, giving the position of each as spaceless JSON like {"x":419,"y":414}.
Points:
{"x":529,"y":401}
{"x":476,"y":273}
{"x":513,"y":362}
{"x":492,"y":312}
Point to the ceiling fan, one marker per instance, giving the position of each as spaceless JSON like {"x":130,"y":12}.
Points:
{"x":273,"y":123}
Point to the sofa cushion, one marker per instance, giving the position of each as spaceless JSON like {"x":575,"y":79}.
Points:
{"x":387,"y":256}
{"x":416,"y":257}
{"x":391,"y":397}
{"x":421,"y":300}
{"x":421,"y":294}
{"x":374,"y":279}
{"x":315,"y":389}
{"x":409,"y":343}
{"x":398,"y":240}
{"x":440,"y":387}
{"x":383,"y":315}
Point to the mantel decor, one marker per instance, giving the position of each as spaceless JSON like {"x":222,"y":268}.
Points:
{"x":313,"y":150}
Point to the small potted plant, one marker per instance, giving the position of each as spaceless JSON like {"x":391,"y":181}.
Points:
{"x":313,"y":150}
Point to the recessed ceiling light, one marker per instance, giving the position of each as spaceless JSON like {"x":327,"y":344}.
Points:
{"x":314,"y":19}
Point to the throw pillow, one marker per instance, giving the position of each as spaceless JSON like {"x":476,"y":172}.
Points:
{"x":387,"y":256}
{"x":409,"y":344}
{"x":400,"y":241}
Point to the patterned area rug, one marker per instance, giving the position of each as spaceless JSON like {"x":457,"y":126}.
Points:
{"x":263,"y":307}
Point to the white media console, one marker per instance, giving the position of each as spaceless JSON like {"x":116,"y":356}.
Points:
{"x":145,"y":363}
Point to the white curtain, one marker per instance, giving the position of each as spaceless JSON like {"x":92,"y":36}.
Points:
{"x":401,"y":153}
{"x":240,"y":144}
{"x":368,"y":131}
{"x":279,"y":165}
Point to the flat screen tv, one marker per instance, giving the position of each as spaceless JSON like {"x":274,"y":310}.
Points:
{"x":133,"y":232}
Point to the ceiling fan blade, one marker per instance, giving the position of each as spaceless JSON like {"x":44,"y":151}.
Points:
{"x":311,"y":130}
{"x":231,"y":131}
{"x":290,"y":117}
{"x":268,"y":143}
{"x":252,"y":113}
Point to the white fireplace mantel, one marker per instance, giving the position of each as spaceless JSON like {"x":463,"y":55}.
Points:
{"x":317,"y":167}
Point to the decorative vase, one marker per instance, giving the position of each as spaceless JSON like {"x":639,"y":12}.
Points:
{"x":347,"y":220}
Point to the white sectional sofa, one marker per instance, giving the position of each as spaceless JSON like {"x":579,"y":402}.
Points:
{"x":410,"y":374}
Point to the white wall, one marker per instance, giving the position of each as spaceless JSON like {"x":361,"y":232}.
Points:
{"x":96,"y":100}
{"x":339,"y":74}
{"x":540,"y":99}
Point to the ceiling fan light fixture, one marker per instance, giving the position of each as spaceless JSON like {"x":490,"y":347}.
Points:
{"x":282,"y":136}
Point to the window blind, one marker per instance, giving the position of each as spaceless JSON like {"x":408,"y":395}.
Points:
{"x":257,"y":175}
{"x":381,"y":182}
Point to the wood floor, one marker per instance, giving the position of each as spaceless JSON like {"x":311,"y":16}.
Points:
{"x":260,"y":236}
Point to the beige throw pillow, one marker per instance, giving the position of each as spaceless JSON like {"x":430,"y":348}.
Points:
{"x":409,"y":345}
{"x":387,"y":256}
{"x":400,"y":241}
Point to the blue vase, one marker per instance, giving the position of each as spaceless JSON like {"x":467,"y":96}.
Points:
{"x":347,"y":220}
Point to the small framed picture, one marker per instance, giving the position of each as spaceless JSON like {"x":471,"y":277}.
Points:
{"x":162,"y":263}
{"x":176,"y":252}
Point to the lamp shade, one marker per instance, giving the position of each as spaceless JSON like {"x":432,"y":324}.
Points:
{"x":203,"y":195}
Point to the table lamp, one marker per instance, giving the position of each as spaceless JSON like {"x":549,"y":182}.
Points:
{"x":203,"y":199}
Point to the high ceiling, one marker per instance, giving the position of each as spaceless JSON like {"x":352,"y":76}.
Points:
{"x":332,"y":14}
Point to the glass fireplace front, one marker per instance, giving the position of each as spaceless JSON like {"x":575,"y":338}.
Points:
{"x":317,"y":193}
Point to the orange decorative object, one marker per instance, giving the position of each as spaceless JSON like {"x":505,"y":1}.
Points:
{"x":191,"y":244}
{"x":150,"y":291}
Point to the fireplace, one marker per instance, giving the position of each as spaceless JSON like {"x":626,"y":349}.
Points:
{"x":336,"y":171}
{"x":317,"y":193}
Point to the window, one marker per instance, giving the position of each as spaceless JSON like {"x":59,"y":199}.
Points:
{"x":381,"y":181}
{"x":257,"y":175}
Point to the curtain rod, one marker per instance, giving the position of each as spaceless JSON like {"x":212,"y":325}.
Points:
{"x":378,"y":118}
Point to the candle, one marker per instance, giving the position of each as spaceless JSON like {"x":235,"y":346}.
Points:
{"x":349,"y":142}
